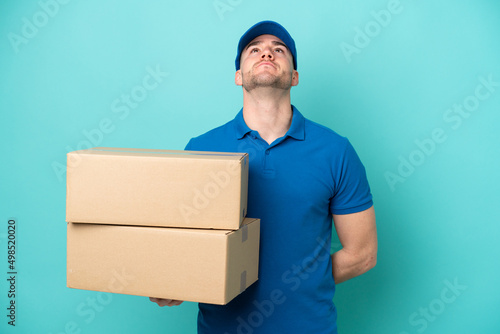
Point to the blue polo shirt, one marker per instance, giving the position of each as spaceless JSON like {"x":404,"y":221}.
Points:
{"x":295,"y":185}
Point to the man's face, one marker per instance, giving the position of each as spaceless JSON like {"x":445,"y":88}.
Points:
{"x":266,"y":62}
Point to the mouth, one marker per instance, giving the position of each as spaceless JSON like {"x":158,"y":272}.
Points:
{"x":266,"y":63}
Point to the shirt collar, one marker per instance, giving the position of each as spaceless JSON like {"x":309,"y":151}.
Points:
{"x":296,"y":130}
{"x":240,"y":126}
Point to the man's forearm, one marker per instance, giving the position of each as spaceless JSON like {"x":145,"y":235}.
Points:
{"x":346,"y":265}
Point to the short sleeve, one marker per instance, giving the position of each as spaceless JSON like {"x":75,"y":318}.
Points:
{"x":352,"y":192}
{"x":188,"y":146}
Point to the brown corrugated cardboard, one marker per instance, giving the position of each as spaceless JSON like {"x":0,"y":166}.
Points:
{"x":209,"y":266}
{"x":157,"y":188}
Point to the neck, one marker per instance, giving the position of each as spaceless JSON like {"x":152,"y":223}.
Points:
{"x":267,"y":111}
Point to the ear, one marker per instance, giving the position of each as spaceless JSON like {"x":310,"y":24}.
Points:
{"x":237,"y":78}
{"x":295,"y":78}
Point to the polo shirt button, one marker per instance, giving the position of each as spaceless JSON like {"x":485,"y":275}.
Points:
{"x":267,"y":152}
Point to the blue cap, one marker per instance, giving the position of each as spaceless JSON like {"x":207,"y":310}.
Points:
{"x":264,"y":28}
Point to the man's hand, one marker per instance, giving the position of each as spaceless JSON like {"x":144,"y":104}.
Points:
{"x":165,"y":302}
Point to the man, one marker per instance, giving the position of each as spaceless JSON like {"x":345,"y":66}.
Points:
{"x":301,"y":175}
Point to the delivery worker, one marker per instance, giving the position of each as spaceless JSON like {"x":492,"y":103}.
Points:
{"x":301,"y":175}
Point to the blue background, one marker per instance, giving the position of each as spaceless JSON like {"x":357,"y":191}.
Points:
{"x":66,"y":67}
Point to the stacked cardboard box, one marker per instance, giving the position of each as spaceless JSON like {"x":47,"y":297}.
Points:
{"x":160,"y":223}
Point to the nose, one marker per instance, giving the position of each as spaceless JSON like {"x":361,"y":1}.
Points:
{"x":267,"y":54}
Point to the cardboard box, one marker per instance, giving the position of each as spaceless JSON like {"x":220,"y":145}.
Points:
{"x":157,"y":188}
{"x":209,"y":266}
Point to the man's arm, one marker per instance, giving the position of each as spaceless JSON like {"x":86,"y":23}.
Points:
{"x":358,"y":235}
